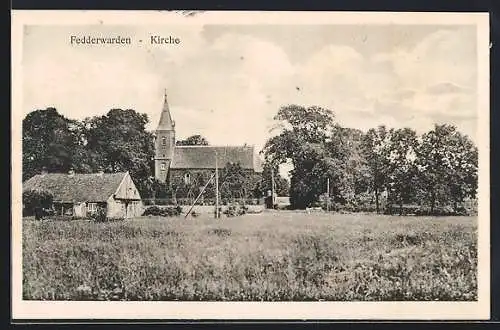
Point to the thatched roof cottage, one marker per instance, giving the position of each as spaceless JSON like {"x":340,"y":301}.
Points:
{"x":81,"y":194}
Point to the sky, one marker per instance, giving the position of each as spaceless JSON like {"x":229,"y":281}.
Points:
{"x":226,"y":82}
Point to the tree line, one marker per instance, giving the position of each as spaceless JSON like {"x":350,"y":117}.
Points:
{"x":116,"y":142}
{"x":438,"y":168}
{"x":378,"y":167}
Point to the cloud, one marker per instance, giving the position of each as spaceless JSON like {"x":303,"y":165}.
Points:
{"x":229,"y":88}
{"x":446,"y":88}
{"x":436,"y":79}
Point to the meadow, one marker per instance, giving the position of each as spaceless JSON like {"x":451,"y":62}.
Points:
{"x":273,"y":256}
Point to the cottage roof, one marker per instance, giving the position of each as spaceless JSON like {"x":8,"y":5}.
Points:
{"x":166,"y":123}
{"x":96,"y":187}
{"x":203,"y":157}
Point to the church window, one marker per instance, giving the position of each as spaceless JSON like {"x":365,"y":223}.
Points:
{"x":163,"y":166}
{"x":187,"y":178}
{"x":164,"y":141}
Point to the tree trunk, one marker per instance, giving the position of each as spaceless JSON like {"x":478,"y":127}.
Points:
{"x":377,"y":201}
{"x":433,"y":202}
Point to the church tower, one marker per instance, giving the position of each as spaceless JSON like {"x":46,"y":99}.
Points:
{"x":164,"y":143}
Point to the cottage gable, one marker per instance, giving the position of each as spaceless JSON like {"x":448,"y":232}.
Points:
{"x":127,"y":189}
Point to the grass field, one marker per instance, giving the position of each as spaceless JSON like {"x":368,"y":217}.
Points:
{"x":268,"y":257}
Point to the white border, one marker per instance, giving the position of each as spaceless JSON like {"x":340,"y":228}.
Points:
{"x":252,"y":310}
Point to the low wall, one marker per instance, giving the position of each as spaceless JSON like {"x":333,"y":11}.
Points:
{"x":207,"y":209}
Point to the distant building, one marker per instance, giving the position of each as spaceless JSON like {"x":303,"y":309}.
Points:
{"x":81,"y":194}
{"x":185,"y":162}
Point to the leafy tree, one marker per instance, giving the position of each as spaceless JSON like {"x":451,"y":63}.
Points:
{"x":447,"y":164}
{"x":50,"y":141}
{"x":281,"y":185}
{"x":235,"y":182}
{"x":155,"y":188}
{"x":344,"y":147}
{"x":304,"y":140}
{"x":402,"y":171}
{"x":36,"y":199}
{"x":193,"y":140}
{"x":118,"y":141}
{"x":375,"y":150}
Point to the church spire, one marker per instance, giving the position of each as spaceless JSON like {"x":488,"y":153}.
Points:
{"x":166,"y":123}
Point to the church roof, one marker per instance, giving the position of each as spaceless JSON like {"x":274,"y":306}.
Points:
{"x":96,"y":187}
{"x":203,"y":157}
{"x":166,"y":123}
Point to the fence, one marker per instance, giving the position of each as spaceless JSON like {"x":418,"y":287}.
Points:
{"x":205,"y":201}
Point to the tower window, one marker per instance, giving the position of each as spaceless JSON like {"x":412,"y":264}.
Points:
{"x":187,"y":178}
{"x":163,"y":166}
{"x":164,"y":141}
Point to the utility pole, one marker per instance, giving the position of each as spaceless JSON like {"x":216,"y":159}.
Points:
{"x":327,"y":194}
{"x":272,"y":186}
{"x":216,"y":188}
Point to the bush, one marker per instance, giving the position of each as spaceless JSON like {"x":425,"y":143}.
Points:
{"x":243,"y":209}
{"x":37,"y":202}
{"x":99,"y":215}
{"x":401,"y":209}
{"x":168,"y":211}
{"x":235,"y":210}
{"x":425,"y":210}
{"x":230,"y":211}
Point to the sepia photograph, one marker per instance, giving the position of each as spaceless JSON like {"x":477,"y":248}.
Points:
{"x":250,"y":165}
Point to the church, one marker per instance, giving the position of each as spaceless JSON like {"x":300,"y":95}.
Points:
{"x":191,"y":164}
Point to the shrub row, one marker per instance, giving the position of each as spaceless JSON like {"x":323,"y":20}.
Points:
{"x":206,"y":202}
{"x":425,"y":210}
{"x":235,"y":210}
{"x":167,"y":211}
{"x":396,"y":209}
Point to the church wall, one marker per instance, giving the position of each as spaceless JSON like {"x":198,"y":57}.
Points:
{"x":189,"y":182}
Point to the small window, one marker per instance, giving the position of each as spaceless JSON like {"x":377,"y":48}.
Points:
{"x":164,"y":141}
{"x":187,"y":178}
{"x":163,"y":166}
{"x":91,"y":207}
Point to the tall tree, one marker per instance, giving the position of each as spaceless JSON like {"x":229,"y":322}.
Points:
{"x":344,"y":145}
{"x":303,"y":140}
{"x":193,"y":140}
{"x":447,"y":162}
{"x":118,"y":141}
{"x":402,"y":168}
{"x":49,"y":141}
{"x":374,"y":146}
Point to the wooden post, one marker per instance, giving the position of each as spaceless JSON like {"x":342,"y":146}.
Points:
{"x":327,"y":194}
{"x":199,"y":195}
{"x":272,"y":187}
{"x":216,"y":188}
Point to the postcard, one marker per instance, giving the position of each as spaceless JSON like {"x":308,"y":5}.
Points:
{"x":250,"y":165}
